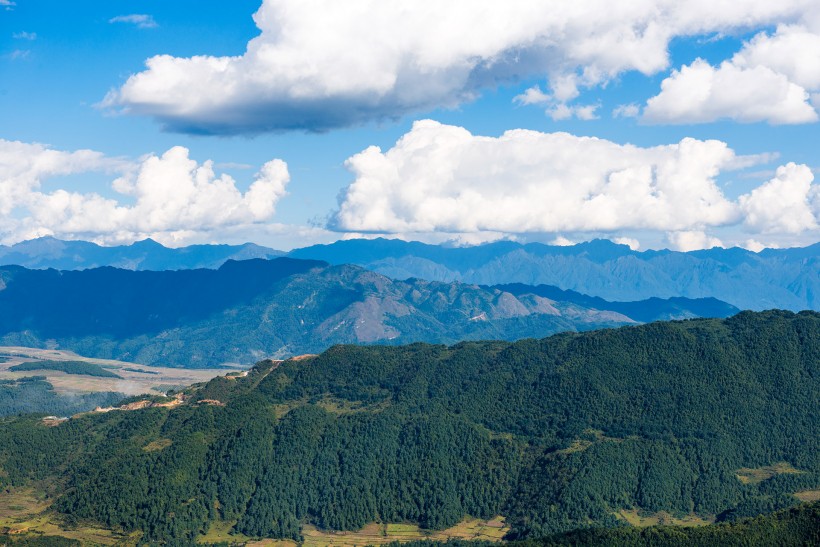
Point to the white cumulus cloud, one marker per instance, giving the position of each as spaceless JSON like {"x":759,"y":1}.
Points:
{"x":440,"y":178}
{"x":168,"y":197}
{"x":692,"y":240}
{"x":770,"y":79}
{"x":788,"y":203}
{"x":320,"y":64}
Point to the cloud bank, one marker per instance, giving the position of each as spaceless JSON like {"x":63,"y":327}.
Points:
{"x":169,"y":197}
{"x":440,"y":178}
{"x":321,"y":64}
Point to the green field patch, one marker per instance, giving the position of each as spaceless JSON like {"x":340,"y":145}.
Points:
{"x":82,"y":368}
{"x":757,"y":475}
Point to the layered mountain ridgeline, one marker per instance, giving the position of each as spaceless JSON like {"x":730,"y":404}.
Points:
{"x":693,"y":421}
{"x":773,"y":278}
{"x":246,"y":311}
{"x":48,"y":252}
{"x":644,"y":311}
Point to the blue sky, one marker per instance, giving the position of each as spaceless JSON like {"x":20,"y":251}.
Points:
{"x":59,"y":61}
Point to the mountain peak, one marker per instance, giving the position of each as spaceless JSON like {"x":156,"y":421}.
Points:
{"x":148,"y":243}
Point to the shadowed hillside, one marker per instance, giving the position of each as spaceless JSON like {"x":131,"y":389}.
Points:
{"x":248,"y":310}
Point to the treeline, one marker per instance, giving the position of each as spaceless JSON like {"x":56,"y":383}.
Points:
{"x":556,"y":434}
{"x":798,"y":526}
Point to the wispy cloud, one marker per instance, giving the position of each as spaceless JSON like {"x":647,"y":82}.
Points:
{"x":24,"y":35}
{"x":18,"y":54}
{"x":141,"y":20}
{"x":7,"y":4}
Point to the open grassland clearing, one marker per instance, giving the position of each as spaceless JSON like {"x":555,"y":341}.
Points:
{"x":642,"y":519}
{"x":372,"y":534}
{"x":748,"y":475}
{"x":808,"y":495}
{"x":134,"y":379}
{"x":25,"y":512}
{"x":380,"y":534}
{"x":221,"y":531}
{"x":16,"y":503}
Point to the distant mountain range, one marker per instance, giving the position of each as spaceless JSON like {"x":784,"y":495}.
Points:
{"x":248,"y":310}
{"x":48,"y":252}
{"x":773,"y":278}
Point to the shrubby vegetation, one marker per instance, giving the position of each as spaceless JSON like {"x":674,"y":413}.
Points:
{"x":556,"y":434}
{"x":36,"y":394}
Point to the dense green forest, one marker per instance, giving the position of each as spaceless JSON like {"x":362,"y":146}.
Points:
{"x":83,"y":368}
{"x":36,"y":394}
{"x":716,"y":418}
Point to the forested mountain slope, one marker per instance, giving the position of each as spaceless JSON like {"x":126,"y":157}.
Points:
{"x":713,"y":418}
{"x":249,"y":310}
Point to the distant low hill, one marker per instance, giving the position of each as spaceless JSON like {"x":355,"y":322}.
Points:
{"x":773,"y":278}
{"x":248,"y":310}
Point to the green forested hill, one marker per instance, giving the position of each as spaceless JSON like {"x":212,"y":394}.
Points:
{"x":716,"y":418}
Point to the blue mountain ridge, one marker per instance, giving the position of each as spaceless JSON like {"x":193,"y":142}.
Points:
{"x":772,"y":278}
